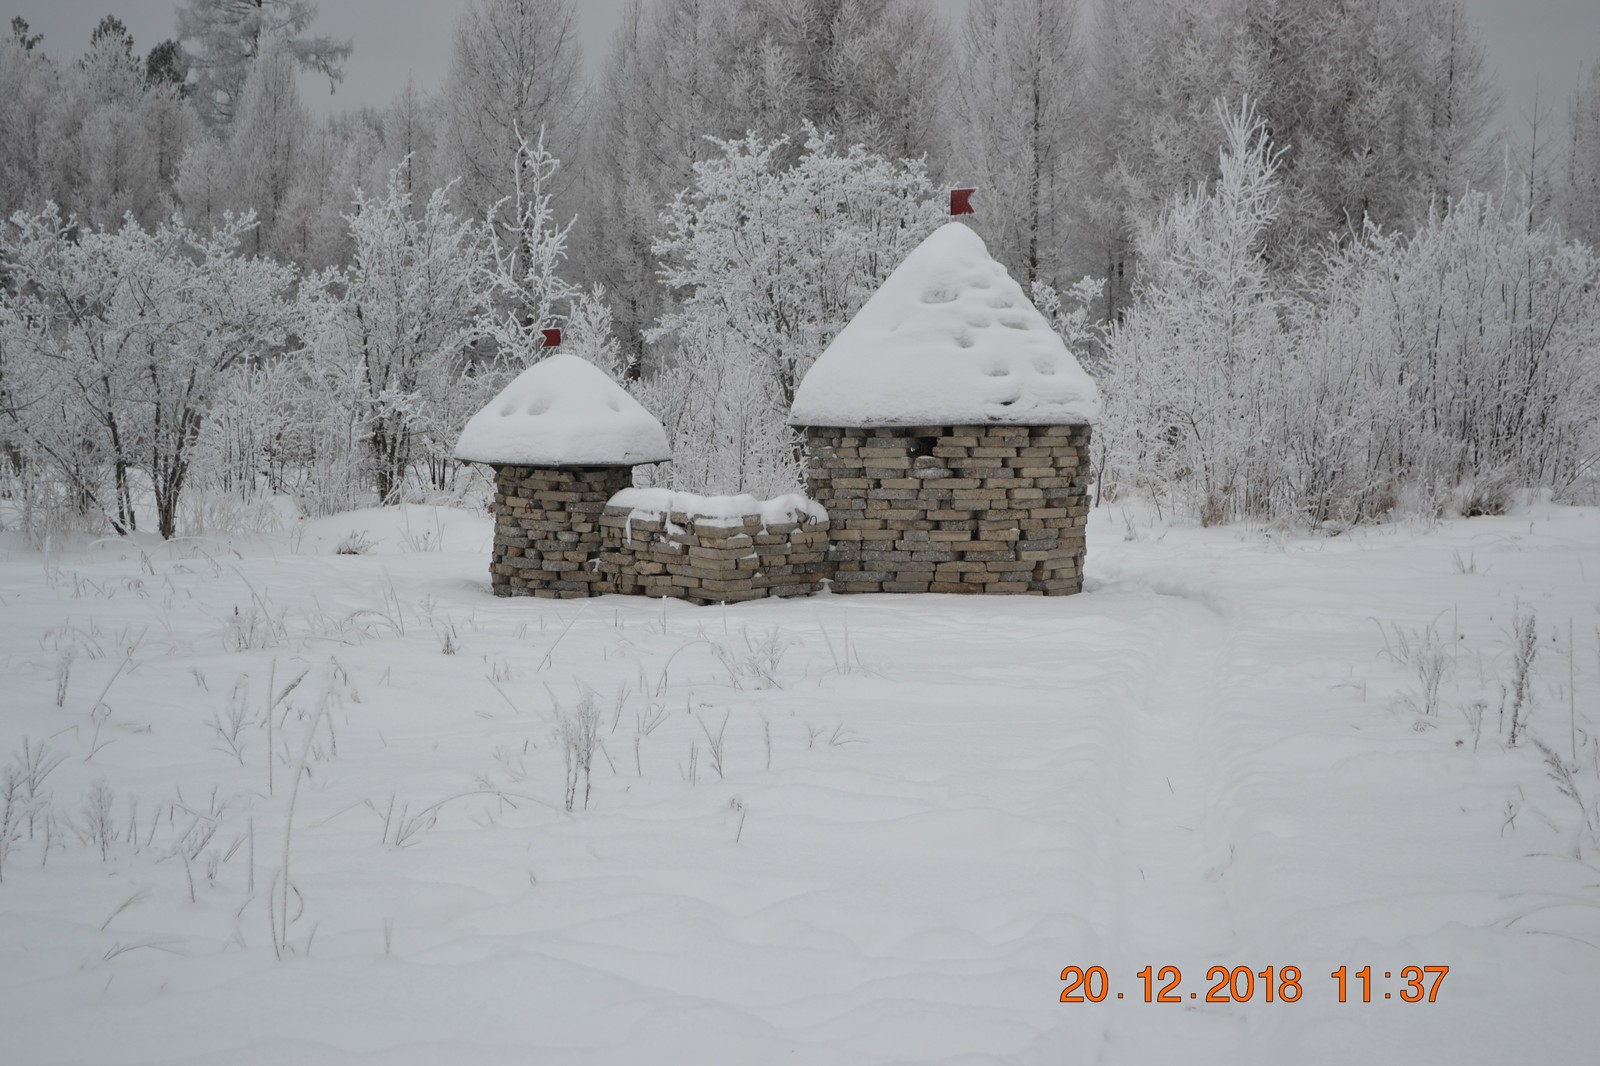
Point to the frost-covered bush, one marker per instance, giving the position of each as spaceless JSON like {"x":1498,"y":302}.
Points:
{"x":136,"y":364}
{"x":1464,"y":356}
{"x":1453,"y":363}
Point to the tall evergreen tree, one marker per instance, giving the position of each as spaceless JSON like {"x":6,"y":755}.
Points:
{"x":19,"y":33}
{"x":228,"y":35}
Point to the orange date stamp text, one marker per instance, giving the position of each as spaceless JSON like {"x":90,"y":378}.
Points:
{"x":1243,"y":984}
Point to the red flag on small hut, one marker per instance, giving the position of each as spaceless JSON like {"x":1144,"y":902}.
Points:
{"x":552,"y":338}
{"x":961,"y":201}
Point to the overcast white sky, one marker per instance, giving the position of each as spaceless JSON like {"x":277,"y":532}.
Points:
{"x":1543,"y":42}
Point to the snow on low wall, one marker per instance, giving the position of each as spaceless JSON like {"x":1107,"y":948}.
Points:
{"x":713,"y":549}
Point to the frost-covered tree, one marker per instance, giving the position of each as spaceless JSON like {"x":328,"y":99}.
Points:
{"x":726,"y":432}
{"x":870,"y":71}
{"x":297,"y":175}
{"x":527,"y":246}
{"x":591,"y":334}
{"x":1073,"y":315}
{"x":1194,"y":370}
{"x":659,"y":100}
{"x":169,"y":125}
{"x":20,"y":36}
{"x":1023,"y":131}
{"x":30,"y":85}
{"x":168,"y":65}
{"x":268,"y":141}
{"x":1456,"y":149}
{"x":115,"y":172}
{"x":94,"y":135}
{"x":1380,"y":106}
{"x":514,"y":69}
{"x":339,"y":156}
{"x":225,"y":37}
{"x":769,"y":263}
{"x":1580,"y":201}
{"x":783,"y":256}
{"x":204,"y":184}
{"x":682,"y":71}
{"x":387,"y":340}
{"x":115,"y":345}
{"x":409,"y":142}
{"x":129,"y":139}
{"x":258,"y":161}
{"x":114,"y":28}
{"x":1157,"y":67}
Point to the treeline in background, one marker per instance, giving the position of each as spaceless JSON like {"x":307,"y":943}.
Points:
{"x":1316,"y":282}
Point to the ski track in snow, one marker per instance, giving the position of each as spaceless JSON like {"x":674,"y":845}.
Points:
{"x":1204,"y":760}
{"x":1168,"y":905}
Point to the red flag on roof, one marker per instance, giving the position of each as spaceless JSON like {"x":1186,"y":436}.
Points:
{"x":552,"y":338}
{"x":961,"y":201}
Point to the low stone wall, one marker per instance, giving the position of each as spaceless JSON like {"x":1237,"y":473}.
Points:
{"x":713,"y":549}
{"x":966,"y":509}
{"x":547,"y":534}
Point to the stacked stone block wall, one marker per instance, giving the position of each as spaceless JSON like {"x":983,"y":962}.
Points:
{"x":547,"y":533}
{"x":964,"y":509}
{"x":708,"y":561}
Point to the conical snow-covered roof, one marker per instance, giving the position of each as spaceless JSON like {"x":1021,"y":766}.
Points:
{"x":563,"y":411}
{"x":950,"y":339}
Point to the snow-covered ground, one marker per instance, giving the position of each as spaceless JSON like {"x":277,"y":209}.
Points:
{"x":839,"y":830}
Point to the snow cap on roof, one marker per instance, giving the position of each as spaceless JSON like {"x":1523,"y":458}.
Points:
{"x":563,"y":411}
{"x":949,"y":339}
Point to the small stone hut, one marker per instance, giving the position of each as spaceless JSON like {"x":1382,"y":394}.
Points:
{"x":947,"y":431}
{"x":563,"y":439}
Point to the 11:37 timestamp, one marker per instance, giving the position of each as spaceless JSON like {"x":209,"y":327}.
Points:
{"x":1244,"y":984}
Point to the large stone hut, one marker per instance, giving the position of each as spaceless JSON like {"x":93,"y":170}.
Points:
{"x":563,"y":439}
{"x":947,"y":433}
